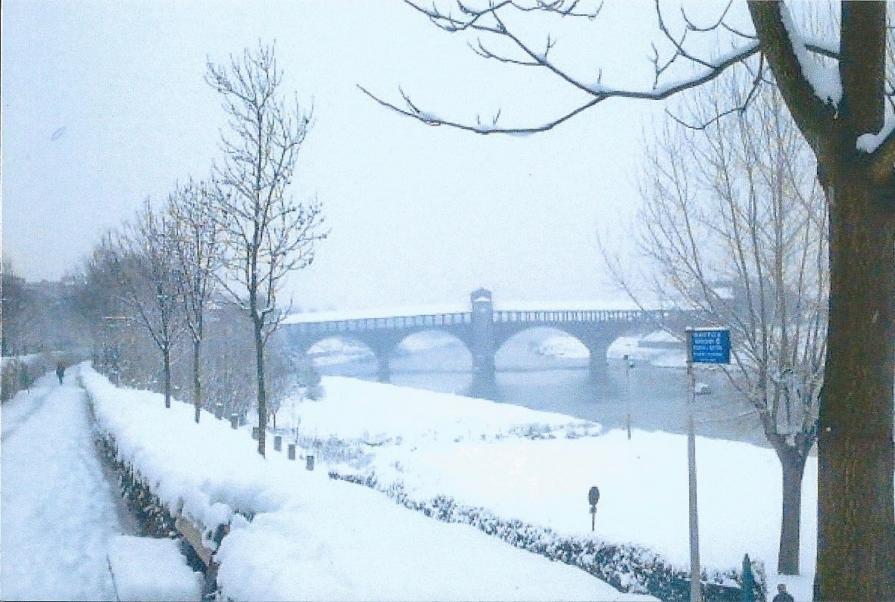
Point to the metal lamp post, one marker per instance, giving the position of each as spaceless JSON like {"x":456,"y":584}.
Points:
{"x":629,"y":363}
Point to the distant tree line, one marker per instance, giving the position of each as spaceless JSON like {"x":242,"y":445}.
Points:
{"x":180,"y":297}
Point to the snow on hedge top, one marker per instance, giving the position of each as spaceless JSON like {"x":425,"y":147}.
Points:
{"x":376,"y":412}
{"x":312,"y":538}
{"x":210,"y":470}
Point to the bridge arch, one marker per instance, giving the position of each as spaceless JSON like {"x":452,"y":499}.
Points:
{"x":594,"y":342}
{"x":320,"y":344}
{"x":415,"y":342}
{"x":504,"y":341}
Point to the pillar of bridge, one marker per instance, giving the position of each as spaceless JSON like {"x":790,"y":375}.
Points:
{"x":383,"y":372}
{"x":598,"y":363}
{"x":382,"y":344}
{"x":482,"y":344}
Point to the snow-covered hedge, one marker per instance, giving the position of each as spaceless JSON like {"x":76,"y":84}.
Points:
{"x":628,"y":567}
{"x":310,"y":537}
{"x":144,"y":437}
{"x":152,"y":516}
{"x":20,"y":372}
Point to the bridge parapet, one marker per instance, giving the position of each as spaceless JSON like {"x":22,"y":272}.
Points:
{"x":393,"y":323}
{"x":588,"y":316}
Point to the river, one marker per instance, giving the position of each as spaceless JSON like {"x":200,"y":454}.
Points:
{"x":656,"y":397}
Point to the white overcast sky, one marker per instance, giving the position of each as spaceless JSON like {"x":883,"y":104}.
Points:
{"x":104,"y":104}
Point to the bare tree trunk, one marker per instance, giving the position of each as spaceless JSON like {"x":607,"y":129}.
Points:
{"x":197,"y":383}
{"x":792,"y":464}
{"x":262,"y":392}
{"x":856,"y":525}
{"x":166,"y":360}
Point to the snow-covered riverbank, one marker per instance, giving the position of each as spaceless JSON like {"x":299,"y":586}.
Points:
{"x":297,"y":534}
{"x":537,"y":467}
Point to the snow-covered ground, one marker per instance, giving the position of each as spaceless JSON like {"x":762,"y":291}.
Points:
{"x":58,"y":510}
{"x":374,"y":413}
{"x":477,"y":452}
{"x":313,"y":538}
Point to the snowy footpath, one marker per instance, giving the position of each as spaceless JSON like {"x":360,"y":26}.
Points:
{"x":59,"y":515}
{"x":58,"y":510}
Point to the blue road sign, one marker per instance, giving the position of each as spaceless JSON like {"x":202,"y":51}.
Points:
{"x":709,"y":345}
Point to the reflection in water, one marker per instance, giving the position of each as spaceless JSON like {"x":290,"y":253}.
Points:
{"x":657,"y":395}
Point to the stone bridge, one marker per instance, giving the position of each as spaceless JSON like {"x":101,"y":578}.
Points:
{"x":483,"y":330}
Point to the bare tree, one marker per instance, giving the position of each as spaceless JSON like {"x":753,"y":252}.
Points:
{"x":14,"y":311}
{"x":734,"y":223}
{"x":195,"y":241}
{"x":150,"y":281}
{"x":96,"y":298}
{"x":840,"y":110}
{"x":267,"y":233}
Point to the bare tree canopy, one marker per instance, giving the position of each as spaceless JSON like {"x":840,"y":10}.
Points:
{"x":733,"y":224}
{"x":150,"y":281}
{"x":195,"y":244}
{"x":266,"y":232}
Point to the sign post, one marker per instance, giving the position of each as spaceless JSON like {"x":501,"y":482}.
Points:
{"x":704,"y":346}
{"x":593,"y":496}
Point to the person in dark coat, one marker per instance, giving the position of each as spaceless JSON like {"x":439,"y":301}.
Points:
{"x":782,"y":594}
{"x":60,"y":372}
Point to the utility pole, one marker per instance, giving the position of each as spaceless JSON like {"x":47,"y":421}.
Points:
{"x":628,"y":365}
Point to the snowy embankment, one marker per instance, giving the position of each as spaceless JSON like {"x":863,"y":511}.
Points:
{"x":430,"y":444}
{"x":376,"y":414}
{"x":296,"y":534}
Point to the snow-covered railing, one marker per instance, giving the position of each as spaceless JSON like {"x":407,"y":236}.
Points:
{"x":594,"y":315}
{"x":337,"y":326}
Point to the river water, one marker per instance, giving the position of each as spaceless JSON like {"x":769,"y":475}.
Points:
{"x":655,"y":397}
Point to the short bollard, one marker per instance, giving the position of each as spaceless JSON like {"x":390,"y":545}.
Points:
{"x":309,"y":462}
{"x":278,"y":443}
{"x":234,"y":420}
{"x":219,"y":411}
{"x":256,"y":433}
{"x":291,"y":451}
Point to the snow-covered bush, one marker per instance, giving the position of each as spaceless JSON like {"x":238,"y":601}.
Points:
{"x":152,"y":516}
{"x":628,"y":567}
{"x":19,"y":373}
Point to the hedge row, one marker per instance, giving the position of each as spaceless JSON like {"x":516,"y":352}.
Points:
{"x":627,"y":567}
{"x":152,"y":516}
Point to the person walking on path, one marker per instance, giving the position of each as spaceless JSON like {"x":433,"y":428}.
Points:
{"x":60,"y":372}
{"x":782,"y":594}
